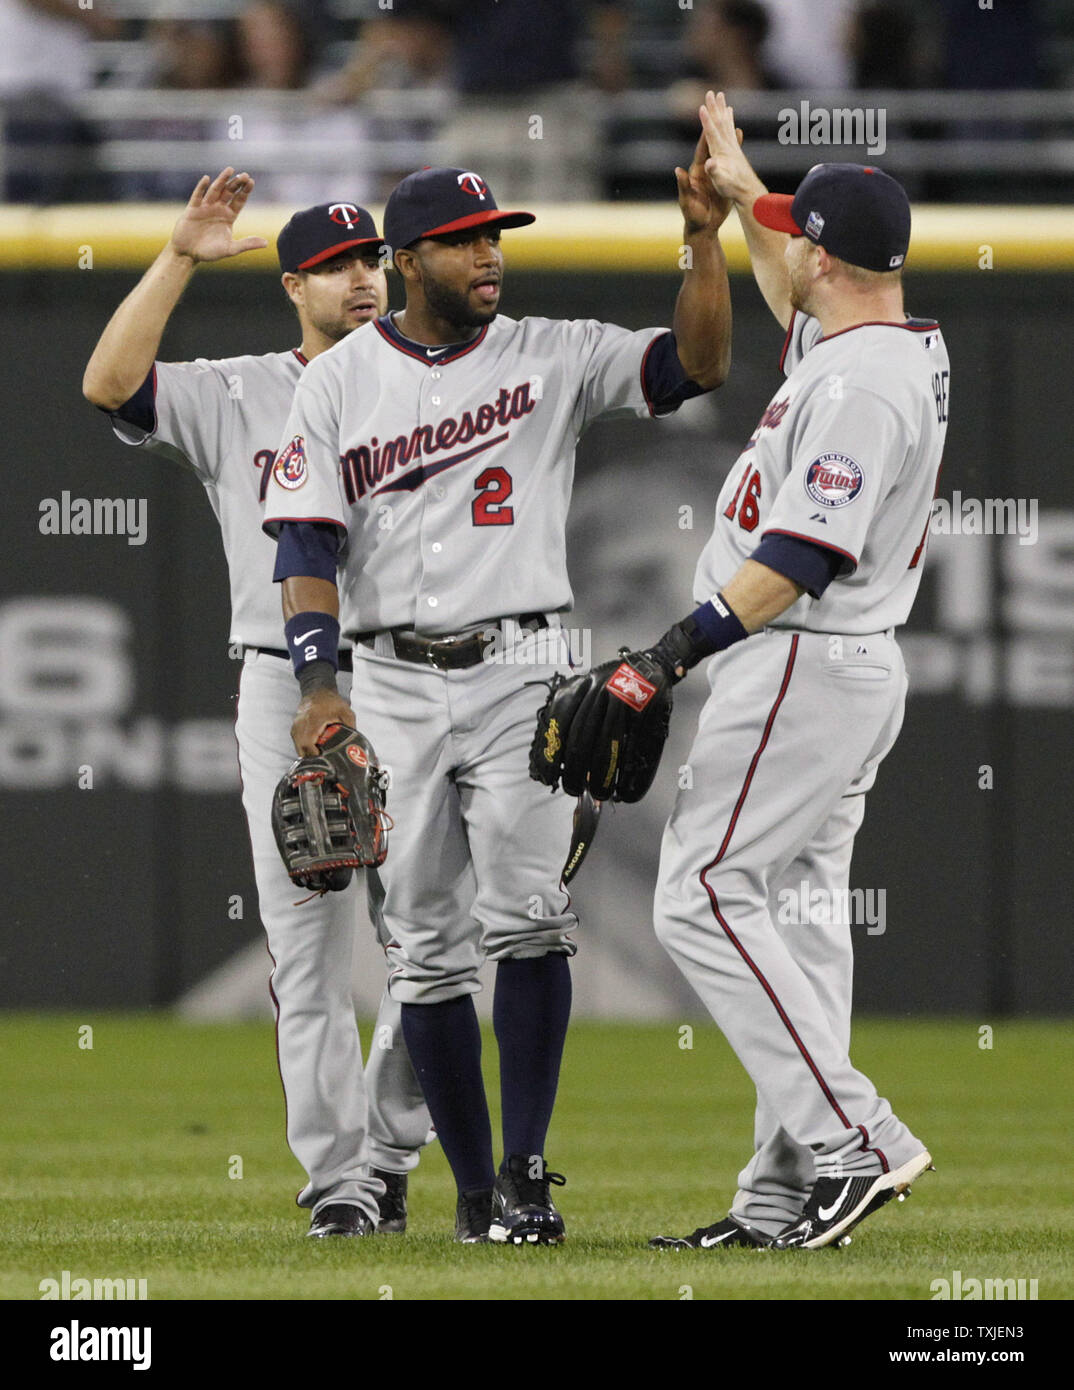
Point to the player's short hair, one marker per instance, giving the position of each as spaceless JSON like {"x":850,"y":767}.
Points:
{"x":869,"y":279}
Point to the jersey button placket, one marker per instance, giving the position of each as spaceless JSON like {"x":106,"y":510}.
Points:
{"x":435,"y":492}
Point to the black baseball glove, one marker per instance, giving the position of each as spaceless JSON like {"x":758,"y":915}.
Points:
{"x":604,"y":731}
{"x":328,"y":812}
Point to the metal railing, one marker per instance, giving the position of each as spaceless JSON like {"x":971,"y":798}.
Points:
{"x":145,"y":130}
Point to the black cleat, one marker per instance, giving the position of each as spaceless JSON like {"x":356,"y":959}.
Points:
{"x":836,"y":1205}
{"x":392,"y":1205}
{"x":473,"y":1212}
{"x":522,"y":1208}
{"x":724,"y":1234}
{"x":340,"y":1219}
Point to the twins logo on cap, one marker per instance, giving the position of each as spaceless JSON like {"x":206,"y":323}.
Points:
{"x":473,"y":184}
{"x":346,"y":214}
{"x":833,"y":480}
{"x":289,"y":469}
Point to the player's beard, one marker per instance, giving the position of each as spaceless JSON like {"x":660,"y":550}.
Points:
{"x":454,"y":307}
{"x":799,"y":291}
{"x":336,"y":329}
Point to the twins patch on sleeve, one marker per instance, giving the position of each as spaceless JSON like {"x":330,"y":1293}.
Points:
{"x":833,"y":480}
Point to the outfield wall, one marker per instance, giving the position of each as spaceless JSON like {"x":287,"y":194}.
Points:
{"x":114,"y":655}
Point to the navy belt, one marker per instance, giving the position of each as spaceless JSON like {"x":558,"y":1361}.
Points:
{"x":346,"y":660}
{"x":451,"y":653}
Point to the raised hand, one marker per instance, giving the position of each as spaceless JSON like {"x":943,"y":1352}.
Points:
{"x":703,"y":208}
{"x":727,"y":169}
{"x":204,"y":231}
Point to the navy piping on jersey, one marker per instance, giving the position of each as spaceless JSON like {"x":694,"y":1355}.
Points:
{"x":754,"y":967}
{"x":912,"y":325}
{"x":452,"y":352}
{"x":787,"y":339}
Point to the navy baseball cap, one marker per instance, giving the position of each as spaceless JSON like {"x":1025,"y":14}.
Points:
{"x":855,"y":211}
{"x":433,"y":202}
{"x":317,"y":234}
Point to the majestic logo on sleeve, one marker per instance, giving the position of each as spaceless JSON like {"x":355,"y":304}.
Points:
{"x":473,"y":184}
{"x":833,"y":480}
{"x":289,"y":469}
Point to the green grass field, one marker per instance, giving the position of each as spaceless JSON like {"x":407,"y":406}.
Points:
{"x":115,"y":1163}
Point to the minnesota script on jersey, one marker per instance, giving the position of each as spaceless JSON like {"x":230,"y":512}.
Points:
{"x":846,"y":454}
{"x":223,"y":418}
{"x":450,"y":469}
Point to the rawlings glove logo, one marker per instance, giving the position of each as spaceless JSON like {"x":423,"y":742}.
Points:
{"x":631,"y":687}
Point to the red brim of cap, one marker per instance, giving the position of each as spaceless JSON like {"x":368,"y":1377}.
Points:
{"x":480,"y":219}
{"x":774,"y":210}
{"x":339,"y":247}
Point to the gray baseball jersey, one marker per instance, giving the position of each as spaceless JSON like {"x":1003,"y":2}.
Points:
{"x":223,"y":418}
{"x":846,"y":454}
{"x":450,"y":469}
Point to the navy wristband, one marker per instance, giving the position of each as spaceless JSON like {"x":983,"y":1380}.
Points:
{"x":717,"y":625}
{"x":312,"y":637}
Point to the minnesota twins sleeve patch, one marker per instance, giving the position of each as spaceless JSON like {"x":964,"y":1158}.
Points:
{"x":833,"y":480}
{"x":290,"y":467}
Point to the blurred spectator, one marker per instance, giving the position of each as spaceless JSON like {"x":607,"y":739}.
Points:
{"x":193,"y":56}
{"x":809,"y":42}
{"x":527,"y":118}
{"x":187,"y":56}
{"x":406,"y":48}
{"x":44,"y":61}
{"x":273,"y":52}
{"x":274,"y":55}
{"x":722,"y":50}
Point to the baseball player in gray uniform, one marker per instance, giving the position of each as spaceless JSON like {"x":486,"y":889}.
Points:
{"x":223,"y":419}
{"x":430,"y":455}
{"x":814,"y":561}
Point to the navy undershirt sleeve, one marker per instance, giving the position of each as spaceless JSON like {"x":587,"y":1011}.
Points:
{"x":309,"y":548}
{"x":141,"y":409}
{"x":664,"y":378}
{"x":813,"y":566}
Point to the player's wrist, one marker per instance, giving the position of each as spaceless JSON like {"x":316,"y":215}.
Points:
{"x":183,"y":260}
{"x":317,"y":677}
{"x":712,"y":627}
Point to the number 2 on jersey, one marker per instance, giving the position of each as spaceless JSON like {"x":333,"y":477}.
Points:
{"x":495,"y":487}
{"x":749,"y":488}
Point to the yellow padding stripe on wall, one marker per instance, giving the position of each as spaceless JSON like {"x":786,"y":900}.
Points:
{"x":568,"y":237}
